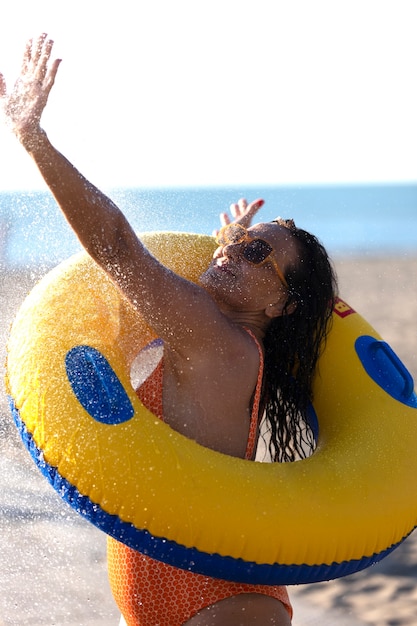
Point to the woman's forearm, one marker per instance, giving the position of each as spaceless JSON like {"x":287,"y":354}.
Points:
{"x":96,"y":220}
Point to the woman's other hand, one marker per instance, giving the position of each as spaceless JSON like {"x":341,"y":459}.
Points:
{"x":241,"y":212}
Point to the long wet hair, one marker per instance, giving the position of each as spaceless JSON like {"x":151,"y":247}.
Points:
{"x":293,"y":344}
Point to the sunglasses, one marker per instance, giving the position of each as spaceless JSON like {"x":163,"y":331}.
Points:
{"x":256,"y":251}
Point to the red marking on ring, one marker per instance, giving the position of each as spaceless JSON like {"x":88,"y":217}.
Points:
{"x":342,"y":308}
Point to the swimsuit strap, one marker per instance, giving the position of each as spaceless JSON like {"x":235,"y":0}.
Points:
{"x":254,"y":420}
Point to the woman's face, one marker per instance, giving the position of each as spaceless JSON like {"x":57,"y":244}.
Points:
{"x":233,"y":280}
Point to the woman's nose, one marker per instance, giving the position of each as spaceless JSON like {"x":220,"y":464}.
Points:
{"x":232,"y":249}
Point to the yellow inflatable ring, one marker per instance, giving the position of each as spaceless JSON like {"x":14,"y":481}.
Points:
{"x":344,"y":508}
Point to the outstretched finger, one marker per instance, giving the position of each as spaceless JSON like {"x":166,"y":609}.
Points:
{"x":224,"y":219}
{"x":38,"y":48}
{"x":27,"y":55}
{"x":253,"y":208}
{"x":51,"y":74}
{"x":43,"y":60}
{"x":237,"y":209}
{"x":234,"y":210}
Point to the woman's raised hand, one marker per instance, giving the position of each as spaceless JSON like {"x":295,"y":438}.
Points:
{"x":24,"y":106}
{"x":241,"y":212}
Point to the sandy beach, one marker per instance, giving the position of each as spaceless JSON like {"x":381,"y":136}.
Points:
{"x":53,"y":563}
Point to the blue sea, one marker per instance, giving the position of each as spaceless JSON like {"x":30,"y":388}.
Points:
{"x":370,"y":219}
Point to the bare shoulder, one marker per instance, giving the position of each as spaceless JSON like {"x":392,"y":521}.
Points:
{"x":230,"y":357}
{"x":225,"y":343}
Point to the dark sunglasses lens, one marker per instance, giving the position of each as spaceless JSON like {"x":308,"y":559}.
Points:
{"x":257,"y":251}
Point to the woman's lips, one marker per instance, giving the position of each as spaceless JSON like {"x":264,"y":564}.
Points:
{"x":224,"y":266}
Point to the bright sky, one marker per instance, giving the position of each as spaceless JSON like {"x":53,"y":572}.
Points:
{"x":222,"y":92}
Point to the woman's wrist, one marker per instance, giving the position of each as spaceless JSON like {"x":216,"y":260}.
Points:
{"x":32,"y":139}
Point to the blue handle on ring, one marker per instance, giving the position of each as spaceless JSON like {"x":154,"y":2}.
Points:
{"x":96,"y":386}
{"x":386,"y":369}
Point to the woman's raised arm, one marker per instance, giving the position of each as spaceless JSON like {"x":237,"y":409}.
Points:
{"x":166,"y":300}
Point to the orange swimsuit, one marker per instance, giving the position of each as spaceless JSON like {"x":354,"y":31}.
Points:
{"x":151,"y":593}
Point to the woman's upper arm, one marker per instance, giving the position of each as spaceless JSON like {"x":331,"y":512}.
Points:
{"x":178,"y":310}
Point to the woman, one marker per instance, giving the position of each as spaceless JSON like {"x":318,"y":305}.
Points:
{"x":254,"y":323}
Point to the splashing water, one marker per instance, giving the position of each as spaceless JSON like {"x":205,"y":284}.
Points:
{"x":52,"y":562}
